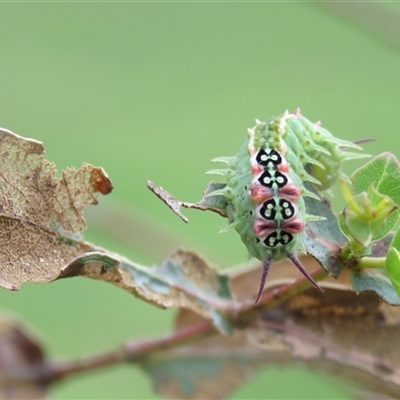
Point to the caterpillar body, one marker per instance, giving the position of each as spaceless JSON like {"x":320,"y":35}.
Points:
{"x":265,"y":190}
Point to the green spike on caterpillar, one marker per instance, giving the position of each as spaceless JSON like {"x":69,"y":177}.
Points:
{"x":265,"y":185}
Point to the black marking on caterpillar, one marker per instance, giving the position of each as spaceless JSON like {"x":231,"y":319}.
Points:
{"x":269,"y":157}
{"x":278,"y":238}
{"x":271,"y":178}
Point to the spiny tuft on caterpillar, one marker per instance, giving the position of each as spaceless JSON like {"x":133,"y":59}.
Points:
{"x":265,"y":185}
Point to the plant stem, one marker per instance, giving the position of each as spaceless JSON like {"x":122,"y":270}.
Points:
{"x":61,"y":369}
{"x":138,"y":351}
{"x":134,"y":351}
{"x":371,"y":262}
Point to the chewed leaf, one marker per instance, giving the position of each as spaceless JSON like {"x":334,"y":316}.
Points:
{"x":41,"y":216}
{"x":209,"y":202}
{"x":183,"y":280}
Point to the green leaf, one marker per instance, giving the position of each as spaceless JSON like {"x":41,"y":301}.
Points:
{"x":383,"y":172}
{"x":396,"y":240}
{"x":393,"y":268}
{"x":373,"y":280}
{"x":366,"y":213}
{"x":323,"y":239}
{"x":392,"y":263}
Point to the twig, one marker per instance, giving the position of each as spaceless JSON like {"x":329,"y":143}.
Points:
{"x":134,"y":351}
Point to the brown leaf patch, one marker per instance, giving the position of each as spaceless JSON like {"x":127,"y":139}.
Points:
{"x":354,"y":337}
{"x":41,"y":216}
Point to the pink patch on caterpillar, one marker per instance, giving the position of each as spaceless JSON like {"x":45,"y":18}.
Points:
{"x":290,"y":192}
{"x":257,"y":169}
{"x":284,"y":167}
{"x":293,"y":226}
{"x":263,"y":227}
{"x":260,"y":193}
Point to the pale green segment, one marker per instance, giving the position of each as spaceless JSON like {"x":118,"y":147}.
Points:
{"x":239,"y":201}
{"x":316,"y":142}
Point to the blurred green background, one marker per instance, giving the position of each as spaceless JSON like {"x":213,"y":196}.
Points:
{"x":154,"y":91}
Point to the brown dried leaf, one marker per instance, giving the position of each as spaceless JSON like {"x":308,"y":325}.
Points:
{"x":211,"y":368}
{"x":22,"y":363}
{"x":207,"y":203}
{"x":183,"y":280}
{"x":41,"y":216}
{"x":352,"y":336}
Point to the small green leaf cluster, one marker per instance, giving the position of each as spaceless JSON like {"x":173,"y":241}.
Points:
{"x":370,"y":215}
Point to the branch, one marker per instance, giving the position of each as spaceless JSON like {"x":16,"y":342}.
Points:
{"x":131,"y":352}
{"x":240,"y":313}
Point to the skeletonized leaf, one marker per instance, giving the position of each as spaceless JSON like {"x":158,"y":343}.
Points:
{"x":41,"y":216}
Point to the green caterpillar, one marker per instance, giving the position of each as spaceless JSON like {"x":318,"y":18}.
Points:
{"x":265,"y":185}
